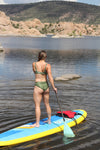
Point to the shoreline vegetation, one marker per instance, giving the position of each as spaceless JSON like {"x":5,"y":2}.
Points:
{"x":35,"y":28}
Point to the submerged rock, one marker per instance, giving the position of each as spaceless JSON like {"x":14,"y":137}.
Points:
{"x":67,"y":77}
{"x":1,"y":48}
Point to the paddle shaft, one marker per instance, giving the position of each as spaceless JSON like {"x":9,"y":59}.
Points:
{"x":60,"y":107}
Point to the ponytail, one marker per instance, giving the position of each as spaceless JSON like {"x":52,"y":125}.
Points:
{"x":42,"y":55}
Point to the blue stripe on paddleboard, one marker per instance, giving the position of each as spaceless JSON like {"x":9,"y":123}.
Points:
{"x":8,"y":133}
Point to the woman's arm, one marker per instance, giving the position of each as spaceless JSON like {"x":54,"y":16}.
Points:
{"x":50,"y":77}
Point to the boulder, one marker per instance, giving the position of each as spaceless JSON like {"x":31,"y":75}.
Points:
{"x":67,"y":77}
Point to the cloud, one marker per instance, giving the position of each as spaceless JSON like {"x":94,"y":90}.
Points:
{"x":16,"y":1}
{"x":2,"y":2}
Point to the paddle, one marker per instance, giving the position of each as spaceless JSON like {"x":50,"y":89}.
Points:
{"x":67,"y":130}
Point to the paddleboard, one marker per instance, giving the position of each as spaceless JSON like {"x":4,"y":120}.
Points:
{"x":26,"y":132}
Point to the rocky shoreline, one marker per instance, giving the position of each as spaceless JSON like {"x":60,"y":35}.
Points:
{"x":52,"y":36}
{"x":35,"y":28}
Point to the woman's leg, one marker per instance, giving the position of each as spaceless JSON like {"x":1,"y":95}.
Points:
{"x":46,"y":102}
{"x":37,"y":96}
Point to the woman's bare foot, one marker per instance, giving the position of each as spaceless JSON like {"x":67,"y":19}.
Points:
{"x":35,"y":125}
{"x":48,"y":121}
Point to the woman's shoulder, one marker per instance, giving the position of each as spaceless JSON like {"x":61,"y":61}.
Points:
{"x":33,"y":63}
{"x":48,"y":65}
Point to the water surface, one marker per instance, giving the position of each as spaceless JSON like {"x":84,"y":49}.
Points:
{"x":17,"y":83}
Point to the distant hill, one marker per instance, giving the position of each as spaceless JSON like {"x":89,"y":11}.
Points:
{"x":54,"y":11}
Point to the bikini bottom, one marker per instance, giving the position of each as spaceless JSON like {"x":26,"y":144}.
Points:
{"x":43,"y":85}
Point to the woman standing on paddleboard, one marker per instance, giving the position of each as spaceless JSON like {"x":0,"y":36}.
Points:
{"x":41,"y":89}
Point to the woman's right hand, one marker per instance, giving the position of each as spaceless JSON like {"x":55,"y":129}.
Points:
{"x":55,"y":89}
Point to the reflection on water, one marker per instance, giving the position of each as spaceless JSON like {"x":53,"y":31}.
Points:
{"x":67,"y":141}
{"x":51,"y":43}
{"x":16,"y":95}
{"x":17,"y":64}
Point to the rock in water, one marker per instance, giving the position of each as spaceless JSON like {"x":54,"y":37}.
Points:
{"x":67,"y":77}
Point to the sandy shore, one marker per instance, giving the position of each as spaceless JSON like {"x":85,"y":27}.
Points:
{"x":17,"y":35}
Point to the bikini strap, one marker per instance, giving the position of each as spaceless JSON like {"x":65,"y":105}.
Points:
{"x":35,"y":67}
{"x":45,"y":67}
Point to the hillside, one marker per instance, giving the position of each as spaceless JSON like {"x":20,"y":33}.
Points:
{"x":54,"y":11}
{"x":36,"y":28}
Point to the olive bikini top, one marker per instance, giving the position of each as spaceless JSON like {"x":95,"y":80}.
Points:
{"x":38,"y":72}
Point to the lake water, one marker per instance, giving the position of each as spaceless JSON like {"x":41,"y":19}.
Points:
{"x":66,"y":56}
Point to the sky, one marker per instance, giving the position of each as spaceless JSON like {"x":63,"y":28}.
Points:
{"x":93,"y":2}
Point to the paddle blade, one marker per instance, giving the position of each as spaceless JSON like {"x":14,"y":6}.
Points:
{"x":68,"y":131}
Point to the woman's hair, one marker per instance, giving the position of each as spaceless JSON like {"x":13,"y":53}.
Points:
{"x":42,"y":55}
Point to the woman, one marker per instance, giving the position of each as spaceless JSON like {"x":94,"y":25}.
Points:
{"x":41,"y":89}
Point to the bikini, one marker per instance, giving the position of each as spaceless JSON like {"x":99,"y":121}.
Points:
{"x":44,"y":84}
